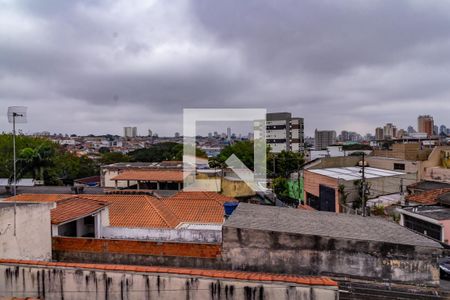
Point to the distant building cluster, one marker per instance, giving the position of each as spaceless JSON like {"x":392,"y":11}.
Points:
{"x":426,"y":129}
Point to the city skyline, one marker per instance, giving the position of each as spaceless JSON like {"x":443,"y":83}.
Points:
{"x":204,"y":128}
{"x":95,"y":67}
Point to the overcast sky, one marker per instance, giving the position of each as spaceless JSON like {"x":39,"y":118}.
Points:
{"x":96,"y":66}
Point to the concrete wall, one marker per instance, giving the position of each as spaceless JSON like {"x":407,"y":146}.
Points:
{"x":335,"y":162}
{"x":106,"y":179}
{"x":411,"y":167}
{"x":378,"y":186}
{"x":312,"y":183}
{"x":257,"y":250}
{"x":432,"y":168}
{"x":33,"y":236}
{"x":151,"y":234}
{"x":236,"y":188}
{"x":73,"y":283}
{"x":445,"y":224}
{"x":409,"y":151}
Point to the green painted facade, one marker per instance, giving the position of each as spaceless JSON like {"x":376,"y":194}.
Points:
{"x":296,"y":188}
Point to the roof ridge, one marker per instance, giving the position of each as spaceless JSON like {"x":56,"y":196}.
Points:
{"x":157,"y":209}
{"x":86,"y":197}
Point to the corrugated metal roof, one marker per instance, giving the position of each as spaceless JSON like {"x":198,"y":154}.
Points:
{"x":354,"y":173}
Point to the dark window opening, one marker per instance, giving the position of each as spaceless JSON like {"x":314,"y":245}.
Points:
{"x":432,"y":230}
{"x":68,"y":229}
{"x":399,"y":166}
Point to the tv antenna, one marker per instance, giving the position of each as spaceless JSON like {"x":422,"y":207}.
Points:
{"x":16,"y":114}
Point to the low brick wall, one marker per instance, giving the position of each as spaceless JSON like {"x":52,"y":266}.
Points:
{"x":110,"y":251}
{"x":135,"y":247}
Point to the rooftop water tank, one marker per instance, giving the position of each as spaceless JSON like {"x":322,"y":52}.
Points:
{"x":229,"y":208}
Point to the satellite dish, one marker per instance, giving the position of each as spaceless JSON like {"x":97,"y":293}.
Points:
{"x":17,"y":114}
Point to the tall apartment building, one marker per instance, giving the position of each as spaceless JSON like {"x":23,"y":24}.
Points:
{"x":425,"y":124}
{"x":344,"y":136}
{"x":283,"y":132}
{"x":379,"y":133}
{"x":324,"y":138}
{"x":129,"y":132}
{"x":229,"y":134}
{"x":389,"y":131}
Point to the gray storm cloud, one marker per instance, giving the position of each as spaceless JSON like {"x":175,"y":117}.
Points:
{"x":95,"y":66}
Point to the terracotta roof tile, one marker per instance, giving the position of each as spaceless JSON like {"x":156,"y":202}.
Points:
{"x":198,"y":207}
{"x":39,"y":197}
{"x":145,"y":211}
{"x":428,"y":197}
{"x":151,"y":175}
{"x":138,"y":211}
{"x":239,"y":275}
{"x":74,"y":208}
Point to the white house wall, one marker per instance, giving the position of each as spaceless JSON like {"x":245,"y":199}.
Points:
{"x":185,"y":235}
{"x":33,"y":232}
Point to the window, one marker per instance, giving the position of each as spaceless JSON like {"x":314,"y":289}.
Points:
{"x":400,"y":167}
{"x":89,"y":220}
{"x":429,"y":229}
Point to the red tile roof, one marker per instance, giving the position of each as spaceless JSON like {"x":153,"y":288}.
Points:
{"x":238,"y":275}
{"x":198,"y":207}
{"x":151,"y":175}
{"x":39,"y":197}
{"x":428,"y":197}
{"x":75,"y":208}
{"x":149,"y":212}
{"x":138,"y":211}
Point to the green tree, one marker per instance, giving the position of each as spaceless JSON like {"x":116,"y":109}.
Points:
{"x":69,"y":167}
{"x":43,"y":159}
{"x":113,"y":157}
{"x":22,"y":142}
{"x":156,"y":153}
{"x":284,"y":163}
{"x":281,"y":186}
{"x":161,"y":152}
{"x":242,"y":149}
{"x":277,"y":164}
{"x":34,"y":161}
{"x":179,"y":149}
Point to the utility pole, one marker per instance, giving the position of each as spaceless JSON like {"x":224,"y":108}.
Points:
{"x":363,"y":185}
{"x":401,"y":186}
{"x":16,"y":114}
{"x":14,"y":157}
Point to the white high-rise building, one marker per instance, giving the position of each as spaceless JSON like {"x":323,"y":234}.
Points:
{"x":129,"y":132}
{"x":229,"y":133}
{"x":284,"y":132}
